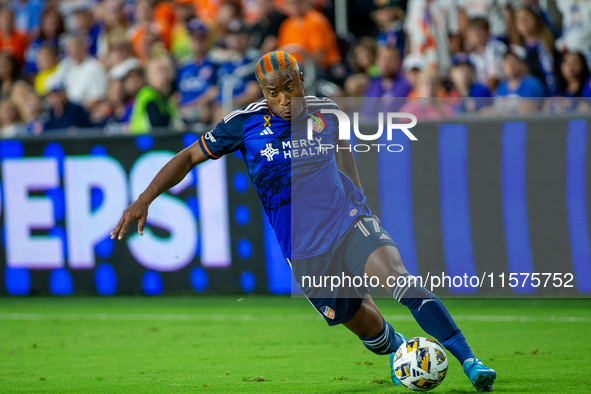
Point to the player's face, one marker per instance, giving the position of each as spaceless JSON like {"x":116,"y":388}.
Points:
{"x":279,"y":87}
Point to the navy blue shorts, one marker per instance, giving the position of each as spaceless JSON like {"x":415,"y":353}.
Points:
{"x":346,"y":258}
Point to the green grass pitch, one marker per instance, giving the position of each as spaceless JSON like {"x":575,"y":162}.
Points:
{"x":265,"y":344}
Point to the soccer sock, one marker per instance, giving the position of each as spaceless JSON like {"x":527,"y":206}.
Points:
{"x":385,"y":342}
{"x":433,"y":317}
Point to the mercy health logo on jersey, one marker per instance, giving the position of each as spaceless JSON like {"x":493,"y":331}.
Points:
{"x":316,"y":125}
{"x":327,"y":311}
{"x":269,"y":152}
{"x":296,"y":149}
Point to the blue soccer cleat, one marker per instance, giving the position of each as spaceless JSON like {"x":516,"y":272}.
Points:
{"x":481,"y":376}
{"x":394,"y":378}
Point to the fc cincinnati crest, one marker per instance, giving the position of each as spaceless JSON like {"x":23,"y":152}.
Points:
{"x":317,"y":124}
{"x":328,"y":311}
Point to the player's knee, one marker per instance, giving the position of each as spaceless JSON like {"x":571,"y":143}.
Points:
{"x":385,"y":262}
{"x":410,"y":292}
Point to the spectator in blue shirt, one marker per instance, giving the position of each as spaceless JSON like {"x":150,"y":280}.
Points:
{"x":573,"y":82}
{"x":240,"y":56}
{"x":389,"y":18}
{"x":51,"y":27}
{"x":471,"y":95}
{"x":533,"y":34}
{"x":85,"y":24}
{"x":196,"y":79}
{"x":573,"y":74}
{"x":518,"y":92}
{"x":27,"y":14}
{"x":63,"y":114}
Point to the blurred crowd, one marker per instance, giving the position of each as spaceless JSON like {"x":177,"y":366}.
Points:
{"x":126,"y":66}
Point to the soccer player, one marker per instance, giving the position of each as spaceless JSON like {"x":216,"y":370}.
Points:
{"x":332,"y":230}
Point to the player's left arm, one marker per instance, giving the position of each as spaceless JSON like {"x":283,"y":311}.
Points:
{"x":346,"y":162}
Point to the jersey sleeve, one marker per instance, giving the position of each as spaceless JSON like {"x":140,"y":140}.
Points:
{"x":224,"y":138}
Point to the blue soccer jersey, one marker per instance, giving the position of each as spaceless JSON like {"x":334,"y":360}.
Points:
{"x":309,"y":202}
{"x":194,"y":79}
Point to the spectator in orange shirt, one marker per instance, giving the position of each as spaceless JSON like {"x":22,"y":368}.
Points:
{"x":145,"y":22}
{"x":10,"y":40}
{"x":227,"y":11}
{"x":164,"y":17}
{"x":307,"y":31}
{"x":207,"y":9}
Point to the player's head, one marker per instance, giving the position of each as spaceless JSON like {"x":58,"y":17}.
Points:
{"x":280,"y":79}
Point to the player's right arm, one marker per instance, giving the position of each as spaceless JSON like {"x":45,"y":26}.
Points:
{"x":172,"y":173}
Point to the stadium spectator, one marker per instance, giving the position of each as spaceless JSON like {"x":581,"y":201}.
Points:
{"x":363,"y":57}
{"x":154,"y":106}
{"x":113,"y":27}
{"x":461,"y":74}
{"x":576,"y":26}
{"x":428,"y":103}
{"x":50,"y":30}
{"x":362,"y":62}
{"x":21,"y":92}
{"x":180,"y":45}
{"x":9,"y":74}
{"x":67,"y":9}
{"x":266,"y":28}
{"x":63,"y":114}
{"x":196,"y":79}
{"x":391,"y":83}
{"x":518,"y":92}
{"x":207,"y":10}
{"x":433,"y":30}
{"x":10,"y":122}
{"x":83,"y":76}
{"x":145,"y":24}
{"x":11,"y":41}
{"x":306,"y":32}
{"x":164,"y":18}
{"x":533,"y":34}
{"x":573,"y":82}
{"x":389,"y":18}
{"x":47,"y":63}
{"x":228,"y":10}
{"x":412,"y":65}
{"x":85,"y":25}
{"x":120,"y":51}
{"x":246,"y":88}
{"x":471,"y":95}
{"x":573,"y":77}
{"x":133,"y":81}
{"x":112,"y":114}
{"x":495,"y":12}
{"x":30,"y":107}
{"x":486,"y":53}
{"x":27,"y":15}
{"x":112,"y":16}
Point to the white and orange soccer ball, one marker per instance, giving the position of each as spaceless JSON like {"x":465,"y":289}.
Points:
{"x":420,"y":364}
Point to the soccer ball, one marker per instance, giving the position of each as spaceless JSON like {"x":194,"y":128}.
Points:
{"x":420,"y":364}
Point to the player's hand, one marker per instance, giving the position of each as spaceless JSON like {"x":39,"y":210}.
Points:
{"x":136,"y":211}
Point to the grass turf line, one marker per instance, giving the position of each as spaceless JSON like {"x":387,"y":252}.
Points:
{"x":284,"y":347}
